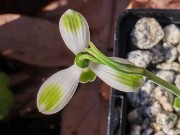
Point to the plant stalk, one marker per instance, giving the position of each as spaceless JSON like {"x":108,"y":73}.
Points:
{"x":157,"y":80}
{"x":131,"y":69}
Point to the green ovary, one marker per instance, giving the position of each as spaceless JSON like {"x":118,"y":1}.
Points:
{"x":82,"y":63}
{"x":72,"y":21}
{"x":50,"y":97}
{"x":177,"y":103}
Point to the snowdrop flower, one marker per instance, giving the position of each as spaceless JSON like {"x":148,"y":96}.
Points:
{"x":57,"y":90}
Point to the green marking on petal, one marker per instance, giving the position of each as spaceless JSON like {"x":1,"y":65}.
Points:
{"x":177,"y":103}
{"x":50,"y":97}
{"x":132,"y":81}
{"x":87,"y":75}
{"x":72,"y":20}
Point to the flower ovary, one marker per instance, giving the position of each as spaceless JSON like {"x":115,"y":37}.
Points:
{"x":80,"y":61}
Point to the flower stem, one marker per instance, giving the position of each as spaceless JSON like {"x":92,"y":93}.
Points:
{"x":162,"y":83}
{"x":126,"y":68}
{"x":90,"y":51}
{"x":91,"y":58}
{"x":131,"y":69}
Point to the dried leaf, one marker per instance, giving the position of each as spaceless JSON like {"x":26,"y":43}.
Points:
{"x":98,"y":15}
{"x":161,"y":4}
{"x":90,"y":112}
{"x":33,"y":41}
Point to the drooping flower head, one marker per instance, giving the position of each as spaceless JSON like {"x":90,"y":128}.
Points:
{"x":57,"y":90}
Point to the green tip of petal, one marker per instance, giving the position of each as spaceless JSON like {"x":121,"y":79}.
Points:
{"x":177,"y":103}
{"x":116,"y":79}
{"x":72,"y":20}
{"x":49,"y":98}
{"x":87,"y":75}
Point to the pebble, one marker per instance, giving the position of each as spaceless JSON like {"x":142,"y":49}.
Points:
{"x":160,"y":133}
{"x":140,"y":58}
{"x":177,"y":111}
{"x":135,"y":130}
{"x":178,"y":123}
{"x":154,"y":105}
{"x":146,"y":33}
{"x":170,"y":52}
{"x":165,"y":98}
{"x":166,"y":75}
{"x":133,"y":98}
{"x":157,"y":54}
{"x":146,"y":123}
{"x":166,"y":119}
{"x":156,"y":127}
{"x":134,"y":117}
{"x":177,"y":81}
{"x":145,"y":93}
{"x":169,"y":66}
{"x":171,"y":34}
{"x":173,"y":131}
{"x":147,"y":131}
{"x":152,"y":110}
{"x":178,"y":48}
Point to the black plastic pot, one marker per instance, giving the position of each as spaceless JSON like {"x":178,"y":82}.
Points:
{"x":119,"y":105}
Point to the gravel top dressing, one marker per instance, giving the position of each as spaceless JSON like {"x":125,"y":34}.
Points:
{"x":158,"y":49}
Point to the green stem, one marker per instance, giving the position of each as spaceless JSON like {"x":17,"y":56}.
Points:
{"x":91,"y":58}
{"x":98,"y":57}
{"x":131,"y":69}
{"x":162,"y":83}
{"x":90,"y":51}
{"x":120,"y":69}
{"x":126,"y":68}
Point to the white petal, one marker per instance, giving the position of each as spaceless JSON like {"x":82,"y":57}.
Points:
{"x":118,"y":80}
{"x":57,"y":90}
{"x":75,"y":31}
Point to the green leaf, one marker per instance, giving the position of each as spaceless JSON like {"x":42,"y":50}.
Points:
{"x":6,"y":101}
{"x":177,"y":103}
{"x":4,"y":80}
{"x":87,"y":75}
